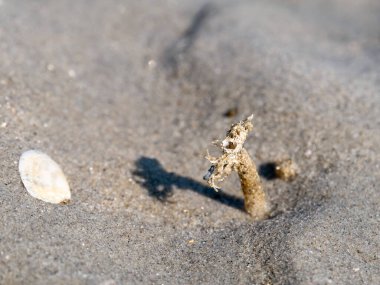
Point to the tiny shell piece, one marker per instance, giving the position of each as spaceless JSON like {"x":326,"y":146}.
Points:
{"x":43,"y":178}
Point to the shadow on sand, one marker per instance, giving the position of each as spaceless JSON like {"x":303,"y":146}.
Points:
{"x":160,"y":184}
{"x":268,"y":170}
{"x":184,"y":42}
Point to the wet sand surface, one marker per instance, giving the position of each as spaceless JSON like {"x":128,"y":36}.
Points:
{"x":127,"y":95}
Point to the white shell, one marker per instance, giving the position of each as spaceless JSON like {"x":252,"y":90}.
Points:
{"x":43,"y":178}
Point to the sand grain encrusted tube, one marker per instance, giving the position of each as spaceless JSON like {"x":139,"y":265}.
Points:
{"x":236,"y":158}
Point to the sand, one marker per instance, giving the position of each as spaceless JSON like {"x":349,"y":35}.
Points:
{"x":127,"y":95}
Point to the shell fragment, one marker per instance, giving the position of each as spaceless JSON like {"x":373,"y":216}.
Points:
{"x":43,"y":178}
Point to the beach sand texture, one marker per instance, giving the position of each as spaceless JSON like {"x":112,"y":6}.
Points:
{"x":126,"y":97}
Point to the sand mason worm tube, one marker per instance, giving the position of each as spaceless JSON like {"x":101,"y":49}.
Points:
{"x":235,"y":158}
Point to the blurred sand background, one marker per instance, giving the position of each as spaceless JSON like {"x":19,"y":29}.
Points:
{"x":127,"y":95}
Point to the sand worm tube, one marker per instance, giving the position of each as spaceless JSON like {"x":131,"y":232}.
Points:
{"x":236,"y":158}
{"x":254,"y":196}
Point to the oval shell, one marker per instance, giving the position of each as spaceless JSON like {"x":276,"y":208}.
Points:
{"x":43,"y":178}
